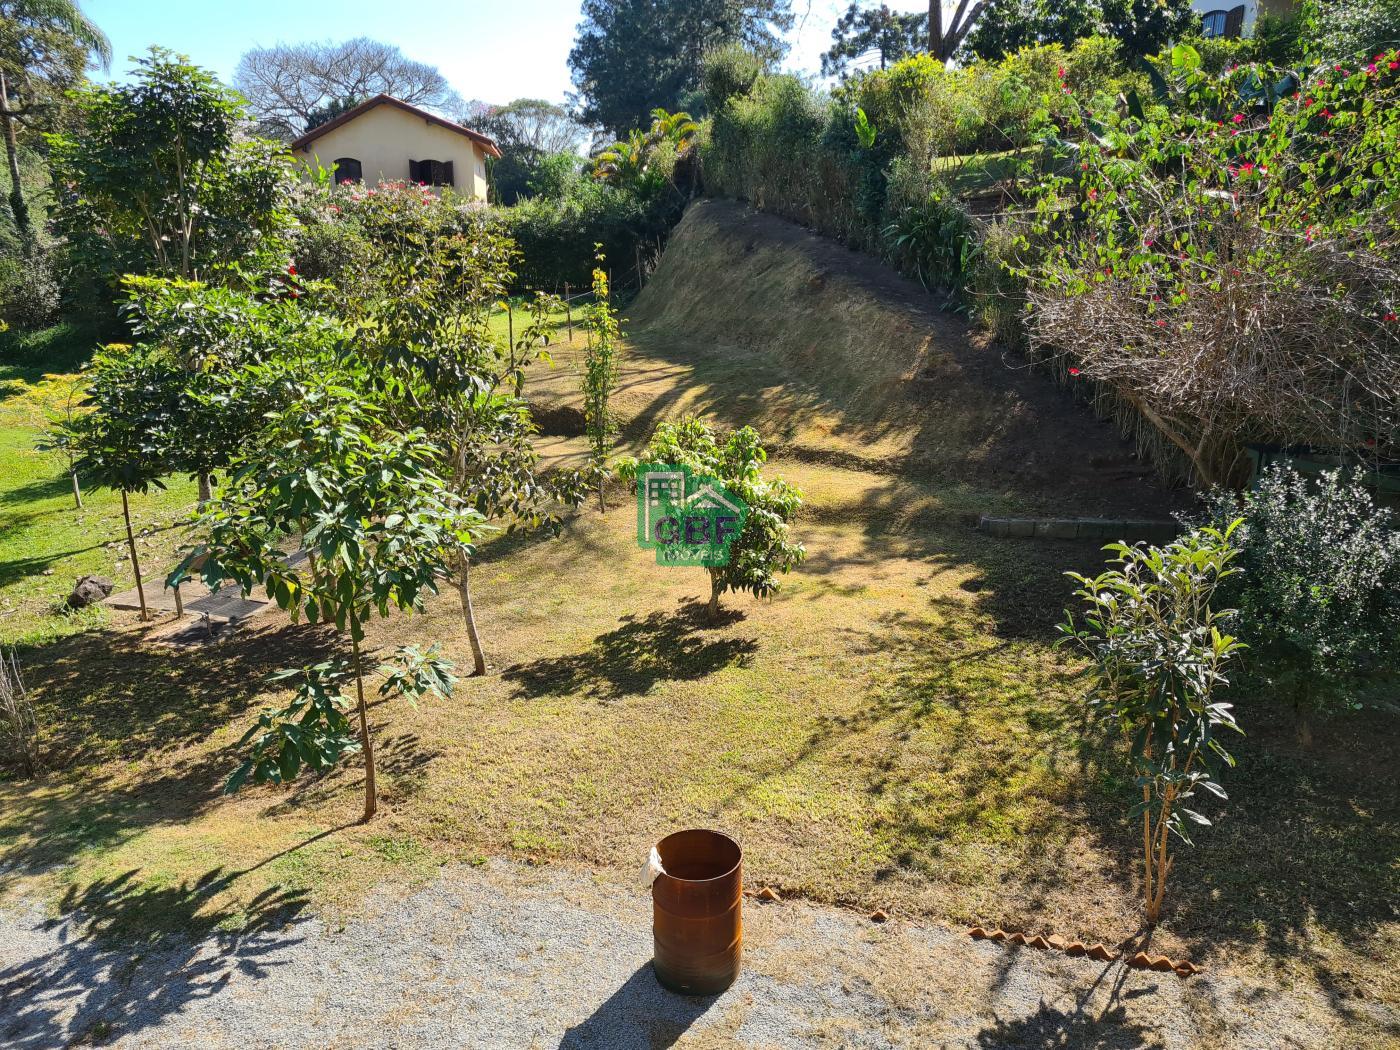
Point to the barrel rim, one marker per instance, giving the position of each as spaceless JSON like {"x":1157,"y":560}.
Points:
{"x":727,"y":873}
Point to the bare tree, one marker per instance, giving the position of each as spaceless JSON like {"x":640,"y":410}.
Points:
{"x":531,"y":124}
{"x":943,"y":40}
{"x":287,"y":83}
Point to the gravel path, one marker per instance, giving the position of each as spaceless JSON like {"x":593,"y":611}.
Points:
{"x":510,"y":956}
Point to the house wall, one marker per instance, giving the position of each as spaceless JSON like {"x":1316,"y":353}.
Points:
{"x":385,"y":138}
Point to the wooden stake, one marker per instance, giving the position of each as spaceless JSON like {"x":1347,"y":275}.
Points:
{"x":569,"y":311}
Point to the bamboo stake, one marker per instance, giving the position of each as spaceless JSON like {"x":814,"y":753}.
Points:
{"x":135,"y":560}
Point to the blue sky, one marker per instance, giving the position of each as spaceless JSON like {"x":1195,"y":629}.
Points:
{"x":493,"y":50}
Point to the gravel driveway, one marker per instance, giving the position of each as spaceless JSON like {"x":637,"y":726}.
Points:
{"x":511,"y":956}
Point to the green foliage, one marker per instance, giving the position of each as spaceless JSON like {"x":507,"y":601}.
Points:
{"x":630,"y":57}
{"x":1141,"y":27}
{"x":1158,"y":658}
{"x":1349,"y":31}
{"x":935,"y":240}
{"x":764,"y":549}
{"x":600,"y":368}
{"x":161,"y":180}
{"x":29,"y":290}
{"x":729,"y":71}
{"x":865,"y":131}
{"x":1319,"y":586}
{"x":380,"y":522}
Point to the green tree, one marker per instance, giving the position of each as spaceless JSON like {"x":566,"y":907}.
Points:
{"x":532,"y":134}
{"x":861,"y":30}
{"x":632,"y":55}
{"x":382,"y":528}
{"x":44,"y":49}
{"x":600,"y":375}
{"x":1141,"y":27}
{"x":158,"y":170}
{"x":764,"y":549}
{"x":125,"y":442}
{"x":424,"y":341}
{"x":1157,"y":661}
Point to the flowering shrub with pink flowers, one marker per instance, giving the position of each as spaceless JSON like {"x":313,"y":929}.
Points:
{"x":1230,"y":265}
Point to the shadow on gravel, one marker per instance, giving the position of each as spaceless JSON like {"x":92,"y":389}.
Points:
{"x":641,"y":1015}
{"x":114,"y":973}
{"x":1049,"y":1028}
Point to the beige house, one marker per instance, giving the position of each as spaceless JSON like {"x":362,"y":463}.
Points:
{"x":386,"y":139}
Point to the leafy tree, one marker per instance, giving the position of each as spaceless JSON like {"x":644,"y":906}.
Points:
{"x":729,"y":71}
{"x":531,"y":133}
{"x":600,"y":375}
{"x":1318,"y":590}
{"x":425,"y":344}
{"x":1158,"y":656}
{"x":286,"y":85}
{"x":157,"y":170}
{"x":763,"y":550}
{"x":330,"y":109}
{"x":382,"y":528}
{"x":125,"y":441}
{"x":861,"y":30}
{"x":646,"y":161}
{"x":44,"y":48}
{"x":632,"y":55}
{"x":1141,"y":27}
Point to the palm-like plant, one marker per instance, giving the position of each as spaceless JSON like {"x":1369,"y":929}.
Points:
{"x":624,"y":161}
{"x":44,"y":48}
{"x":677,"y":128}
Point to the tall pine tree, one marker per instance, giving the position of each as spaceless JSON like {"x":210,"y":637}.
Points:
{"x":634,"y":55}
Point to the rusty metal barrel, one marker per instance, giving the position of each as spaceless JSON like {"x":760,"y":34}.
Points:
{"x":697,"y":912}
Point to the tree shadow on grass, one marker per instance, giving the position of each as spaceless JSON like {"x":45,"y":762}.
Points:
{"x":125,"y":955}
{"x":632,"y":659}
{"x":107,"y":699}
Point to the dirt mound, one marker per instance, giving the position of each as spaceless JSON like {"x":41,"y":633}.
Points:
{"x":871,"y":369}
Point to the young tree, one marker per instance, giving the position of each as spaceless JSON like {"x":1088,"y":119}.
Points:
{"x":427,"y":347}
{"x":124,"y":442}
{"x":382,"y":527}
{"x":287,"y":84}
{"x":632,"y":55}
{"x":600,"y":376}
{"x":158,"y":170}
{"x":44,"y":48}
{"x":1158,"y":658}
{"x":862,"y":30}
{"x":763,"y":549}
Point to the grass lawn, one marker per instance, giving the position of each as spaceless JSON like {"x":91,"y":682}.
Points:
{"x":894,"y":729}
{"x":45,"y":543}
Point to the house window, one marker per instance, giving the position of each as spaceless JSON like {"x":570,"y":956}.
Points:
{"x":347,"y":169}
{"x":1229,"y":24}
{"x":431,"y":172}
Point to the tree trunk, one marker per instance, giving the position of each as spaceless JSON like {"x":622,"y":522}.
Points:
{"x":205,"y":491}
{"x":712,"y":609}
{"x":935,"y":28}
{"x":17,"y":203}
{"x":602,"y":499}
{"x":371,"y":797}
{"x":135,"y":559}
{"x":77,"y":492}
{"x":464,"y":591}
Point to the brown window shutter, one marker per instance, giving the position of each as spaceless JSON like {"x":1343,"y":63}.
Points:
{"x":1234,"y":23}
{"x":447,"y":179}
{"x":413,"y":173}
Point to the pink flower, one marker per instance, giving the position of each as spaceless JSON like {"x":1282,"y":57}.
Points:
{"x":1246,"y":167}
{"x":292,"y":269}
{"x":1392,"y":316}
{"x":1238,"y":118}
{"x":1074,"y":371}
{"x":1371,"y":68}
{"x":1060,"y":72}
{"x":1093,"y":194}
{"x":1394,"y":65}
{"x":1160,"y":324}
